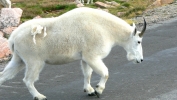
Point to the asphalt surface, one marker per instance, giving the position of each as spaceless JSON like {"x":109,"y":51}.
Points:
{"x":154,"y":79}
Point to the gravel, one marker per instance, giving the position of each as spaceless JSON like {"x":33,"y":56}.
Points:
{"x":2,"y":65}
{"x":158,"y":14}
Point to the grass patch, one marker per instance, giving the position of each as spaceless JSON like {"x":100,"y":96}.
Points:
{"x":134,"y":12}
{"x":56,"y":10}
{"x":53,"y":8}
{"x":59,"y":7}
{"x":129,"y":21}
{"x":126,"y":4}
{"x":43,"y":8}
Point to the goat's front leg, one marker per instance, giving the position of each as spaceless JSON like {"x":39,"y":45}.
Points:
{"x":81,"y":1}
{"x":87,"y":71}
{"x":99,"y":67}
{"x":89,"y":1}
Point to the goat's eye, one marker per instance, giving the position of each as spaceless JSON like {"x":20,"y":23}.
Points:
{"x":139,"y":42}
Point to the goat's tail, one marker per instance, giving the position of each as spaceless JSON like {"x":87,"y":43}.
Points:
{"x":11,"y":44}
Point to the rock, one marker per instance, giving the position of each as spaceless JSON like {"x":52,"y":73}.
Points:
{"x":162,"y":2}
{"x":77,"y":2}
{"x":4,"y":51}
{"x":166,"y":1}
{"x":124,"y":0}
{"x":37,"y":17}
{"x":113,"y":3}
{"x":120,"y":13}
{"x":103,"y":9}
{"x":157,"y":3}
{"x":80,"y":5}
{"x":10,"y":17}
{"x":1,"y":34}
{"x":103,"y":5}
{"x":8,"y":30}
{"x":107,"y":2}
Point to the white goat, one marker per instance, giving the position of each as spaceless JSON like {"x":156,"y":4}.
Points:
{"x":88,"y":1}
{"x":84,"y":34}
{"x":6,"y":3}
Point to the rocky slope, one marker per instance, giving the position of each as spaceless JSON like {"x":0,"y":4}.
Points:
{"x":162,"y":13}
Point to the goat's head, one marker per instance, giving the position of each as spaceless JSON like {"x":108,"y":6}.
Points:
{"x":134,"y":46}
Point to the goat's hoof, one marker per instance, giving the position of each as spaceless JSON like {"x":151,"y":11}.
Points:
{"x":97,"y":94}
{"x":35,"y":98}
{"x":92,"y":94}
{"x":97,"y":86}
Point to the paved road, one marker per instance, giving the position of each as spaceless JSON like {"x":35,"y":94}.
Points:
{"x":154,"y":79}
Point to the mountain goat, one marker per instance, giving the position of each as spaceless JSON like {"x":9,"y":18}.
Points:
{"x":6,"y":3}
{"x":84,"y":34}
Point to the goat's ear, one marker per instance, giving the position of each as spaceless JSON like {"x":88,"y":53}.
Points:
{"x":134,"y":30}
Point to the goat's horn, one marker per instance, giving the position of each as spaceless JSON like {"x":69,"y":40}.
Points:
{"x":144,"y":28}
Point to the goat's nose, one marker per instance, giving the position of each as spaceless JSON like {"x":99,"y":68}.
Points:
{"x":141,"y":60}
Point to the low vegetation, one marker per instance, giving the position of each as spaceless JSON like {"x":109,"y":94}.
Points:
{"x":53,"y":8}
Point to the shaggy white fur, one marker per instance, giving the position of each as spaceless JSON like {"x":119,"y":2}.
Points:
{"x":84,"y":34}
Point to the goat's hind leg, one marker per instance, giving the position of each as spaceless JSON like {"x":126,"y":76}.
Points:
{"x":12,"y":68}
{"x":87,"y":71}
{"x":33,"y":68}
